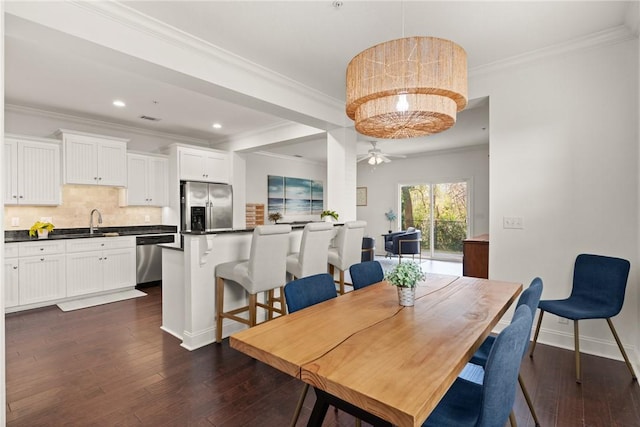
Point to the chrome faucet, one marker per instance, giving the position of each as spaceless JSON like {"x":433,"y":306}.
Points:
{"x":91,"y":220}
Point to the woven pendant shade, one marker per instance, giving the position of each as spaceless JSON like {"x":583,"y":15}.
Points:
{"x":407,"y":87}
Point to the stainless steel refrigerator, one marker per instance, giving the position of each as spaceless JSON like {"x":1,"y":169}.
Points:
{"x":205,"y":206}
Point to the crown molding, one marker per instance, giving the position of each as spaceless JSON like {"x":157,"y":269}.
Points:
{"x":138,"y":21}
{"x":39,"y":112}
{"x":602,"y":38}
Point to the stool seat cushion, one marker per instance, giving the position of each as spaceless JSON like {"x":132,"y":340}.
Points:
{"x":237,"y":271}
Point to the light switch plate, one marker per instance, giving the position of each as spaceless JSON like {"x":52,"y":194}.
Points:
{"x":512,"y":222}
{"x":147,"y":218}
{"x":15,"y":221}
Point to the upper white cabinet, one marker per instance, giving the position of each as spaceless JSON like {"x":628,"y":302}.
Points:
{"x":32,"y":171}
{"x":94,"y":159}
{"x":147,"y":180}
{"x":203,"y":165}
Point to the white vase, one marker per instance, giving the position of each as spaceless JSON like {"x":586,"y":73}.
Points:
{"x":328,"y":218}
{"x":43,"y":234}
{"x":406,"y":296}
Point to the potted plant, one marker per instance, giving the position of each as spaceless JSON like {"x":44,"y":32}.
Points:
{"x":391,"y":216}
{"x":42,"y":229}
{"x":275,"y":217}
{"x":327,"y":215}
{"x":405,"y":276}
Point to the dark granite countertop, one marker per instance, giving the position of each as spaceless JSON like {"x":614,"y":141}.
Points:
{"x":12,"y":236}
{"x":294,"y":226}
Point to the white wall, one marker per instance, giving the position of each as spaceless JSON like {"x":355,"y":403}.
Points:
{"x":564,"y":157}
{"x":258,"y":166}
{"x":383,"y":183}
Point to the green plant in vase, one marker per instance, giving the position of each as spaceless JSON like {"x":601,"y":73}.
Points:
{"x":327,"y":214}
{"x":405,"y":276}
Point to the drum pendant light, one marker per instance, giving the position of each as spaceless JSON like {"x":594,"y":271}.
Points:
{"x":408,"y":87}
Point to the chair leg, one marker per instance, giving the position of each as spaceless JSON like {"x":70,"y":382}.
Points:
{"x":535,"y":336}
{"x":296,"y":413}
{"x":341,"y":282}
{"x":252,"y":309}
{"x":576,"y":339}
{"x":219,"y":307}
{"x":527,"y":398}
{"x":624,"y":353}
{"x":512,"y":419}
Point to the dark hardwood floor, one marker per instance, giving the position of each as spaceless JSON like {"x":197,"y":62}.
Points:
{"x":112,"y":365}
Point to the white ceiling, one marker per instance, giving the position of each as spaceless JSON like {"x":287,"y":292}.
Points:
{"x":310,"y":42}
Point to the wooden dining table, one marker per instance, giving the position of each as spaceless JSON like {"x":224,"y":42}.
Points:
{"x":376,"y":357}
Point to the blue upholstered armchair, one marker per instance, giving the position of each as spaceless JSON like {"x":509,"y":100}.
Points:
{"x":401,"y":243}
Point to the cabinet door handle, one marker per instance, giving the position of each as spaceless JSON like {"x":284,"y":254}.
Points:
{"x":15,"y":267}
{"x":15,"y":197}
{"x":95,"y":177}
{"x":105,"y":258}
{"x":41,"y":259}
{"x":42,"y":249}
{"x":22,"y":197}
{"x":100,"y":179}
{"x":100,"y":259}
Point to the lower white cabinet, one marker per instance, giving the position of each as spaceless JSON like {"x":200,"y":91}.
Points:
{"x":41,"y":278}
{"x":11,"y":276}
{"x":39,"y":272}
{"x":100,"y":264}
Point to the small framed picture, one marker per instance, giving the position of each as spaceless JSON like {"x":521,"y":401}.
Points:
{"x":361,"y":196}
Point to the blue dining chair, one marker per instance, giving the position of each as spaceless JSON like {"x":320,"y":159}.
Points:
{"x":529,"y":297}
{"x":303,"y":293}
{"x":599,"y":284}
{"x":467,"y":404}
{"x":307,"y":291}
{"x":365,"y":274}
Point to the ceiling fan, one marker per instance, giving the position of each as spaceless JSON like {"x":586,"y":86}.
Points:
{"x":375,"y":156}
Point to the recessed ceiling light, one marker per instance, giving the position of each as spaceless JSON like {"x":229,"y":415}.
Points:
{"x":119,"y":103}
{"x":216,"y":126}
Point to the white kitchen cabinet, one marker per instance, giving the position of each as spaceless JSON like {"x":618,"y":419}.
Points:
{"x":100,"y":264}
{"x":32,"y":171}
{"x":11,"y":276}
{"x":147,"y":180}
{"x":41,"y":272}
{"x":93,"y":159}
{"x":203,"y":165}
{"x":41,"y":278}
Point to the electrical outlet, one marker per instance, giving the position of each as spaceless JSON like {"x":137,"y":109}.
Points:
{"x":15,"y":221}
{"x":515,"y":222}
{"x":147,"y":218}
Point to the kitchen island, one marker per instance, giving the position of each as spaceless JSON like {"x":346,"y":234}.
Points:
{"x":188,"y":286}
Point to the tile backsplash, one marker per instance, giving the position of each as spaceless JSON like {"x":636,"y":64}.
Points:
{"x":77,"y":203}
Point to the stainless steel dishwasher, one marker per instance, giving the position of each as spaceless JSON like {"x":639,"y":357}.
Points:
{"x":149,"y":258}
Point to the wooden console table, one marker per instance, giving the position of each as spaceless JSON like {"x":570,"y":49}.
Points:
{"x":475,"y":261}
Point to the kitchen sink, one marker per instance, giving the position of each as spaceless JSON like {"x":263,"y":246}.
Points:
{"x":74,"y":236}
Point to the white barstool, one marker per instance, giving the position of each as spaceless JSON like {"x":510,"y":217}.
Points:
{"x":314,"y":249}
{"x":347,"y":249}
{"x":265,"y":270}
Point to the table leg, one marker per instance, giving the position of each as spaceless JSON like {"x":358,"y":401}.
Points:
{"x":324,"y":399}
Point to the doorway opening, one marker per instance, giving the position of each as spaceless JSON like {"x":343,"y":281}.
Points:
{"x":440,"y":211}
